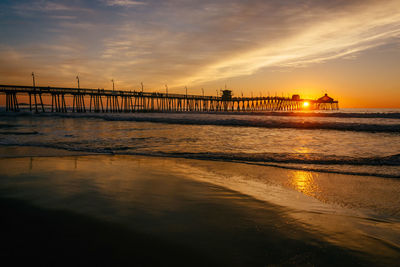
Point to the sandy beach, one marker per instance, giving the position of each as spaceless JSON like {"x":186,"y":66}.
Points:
{"x":132,"y":210}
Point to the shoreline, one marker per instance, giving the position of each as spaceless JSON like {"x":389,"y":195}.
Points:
{"x":12,"y":151}
{"x":40,"y":151}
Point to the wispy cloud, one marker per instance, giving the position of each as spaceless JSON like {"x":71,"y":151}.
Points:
{"x":343,"y":35}
{"x":124,"y":3}
{"x":194,"y":42}
{"x":44,"y":6}
{"x":63,"y":17}
{"x":51,"y":6}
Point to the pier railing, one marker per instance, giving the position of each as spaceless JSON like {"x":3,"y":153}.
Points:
{"x":100,"y":100}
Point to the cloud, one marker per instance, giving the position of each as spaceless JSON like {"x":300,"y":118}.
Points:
{"x":198,"y":43}
{"x":51,"y":6}
{"x":124,"y":3}
{"x":182,"y":42}
{"x":63,"y":17}
{"x":328,"y":39}
{"x":44,"y":6}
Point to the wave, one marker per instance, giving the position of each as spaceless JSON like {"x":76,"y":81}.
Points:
{"x":19,"y":133}
{"x":343,"y":113}
{"x":285,"y":160}
{"x":357,"y":127}
{"x":234,"y":121}
{"x":371,"y":115}
{"x":295,"y":158}
{"x":296,"y":161}
{"x":330,"y":114}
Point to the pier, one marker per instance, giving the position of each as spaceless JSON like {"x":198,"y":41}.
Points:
{"x":58,"y":99}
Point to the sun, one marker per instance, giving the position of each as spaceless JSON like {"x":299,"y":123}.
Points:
{"x":306,"y":104}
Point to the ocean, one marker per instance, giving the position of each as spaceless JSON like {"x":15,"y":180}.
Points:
{"x":358,"y":142}
{"x":317,"y":164}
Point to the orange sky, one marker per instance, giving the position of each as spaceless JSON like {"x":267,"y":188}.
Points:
{"x":348,"y":49}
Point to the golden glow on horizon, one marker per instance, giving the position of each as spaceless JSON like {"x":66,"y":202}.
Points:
{"x":306,"y":104}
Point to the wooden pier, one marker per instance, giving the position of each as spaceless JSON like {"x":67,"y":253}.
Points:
{"x":100,"y":100}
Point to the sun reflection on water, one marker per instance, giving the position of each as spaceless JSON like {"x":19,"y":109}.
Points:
{"x":304,"y":181}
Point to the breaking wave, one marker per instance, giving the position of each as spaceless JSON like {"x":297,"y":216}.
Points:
{"x":297,"y":161}
{"x":255,"y":120}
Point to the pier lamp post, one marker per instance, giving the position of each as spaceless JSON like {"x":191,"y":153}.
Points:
{"x":113,"y":83}
{"x":142,"y":86}
{"x":33,"y":80}
{"x":77,"y":78}
{"x":186,"y":90}
{"x":166,"y":89}
{"x":202,"y":90}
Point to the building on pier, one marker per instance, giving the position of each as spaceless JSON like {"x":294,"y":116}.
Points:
{"x":226,"y":95}
{"x":326,"y":103}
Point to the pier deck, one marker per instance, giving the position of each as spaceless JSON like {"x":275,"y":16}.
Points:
{"x":100,"y":100}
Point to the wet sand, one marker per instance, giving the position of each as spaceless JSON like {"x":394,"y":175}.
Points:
{"x":129,"y":210}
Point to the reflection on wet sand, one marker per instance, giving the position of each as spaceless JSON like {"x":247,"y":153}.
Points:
{"x":303,"y":181}
{"x":338,"y":208}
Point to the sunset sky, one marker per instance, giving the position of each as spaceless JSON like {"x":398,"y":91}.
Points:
{"x":348,"y":49}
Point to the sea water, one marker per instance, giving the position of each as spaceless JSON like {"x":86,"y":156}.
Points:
{"x":359,"y":142}
{"x":344,"y":163}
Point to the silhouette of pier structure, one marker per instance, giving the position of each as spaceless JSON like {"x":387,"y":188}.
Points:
{"x":100,"y":100}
